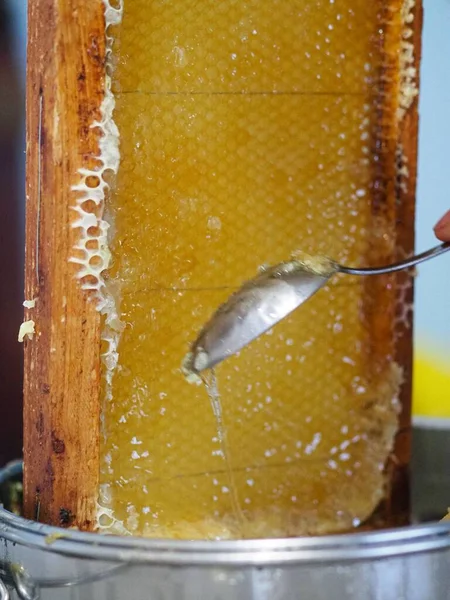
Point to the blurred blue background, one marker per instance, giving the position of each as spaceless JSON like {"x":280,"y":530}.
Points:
{"x":433,"y":285}
{"x":18,"y":13}
{"x":432,"y":307}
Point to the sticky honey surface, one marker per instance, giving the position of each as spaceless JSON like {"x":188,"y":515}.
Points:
{"x":248,"y":130}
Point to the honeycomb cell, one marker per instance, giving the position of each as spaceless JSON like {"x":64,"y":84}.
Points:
{"x":183,"y":150}
{"x":249,"y":46}
{"x":249,"y":130}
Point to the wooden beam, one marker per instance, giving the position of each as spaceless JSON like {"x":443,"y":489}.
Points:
{"x":408,"y":136}
{"x":65,"y":88}
{"x":394,"y":510}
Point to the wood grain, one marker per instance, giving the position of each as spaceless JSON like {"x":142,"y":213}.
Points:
{"x":65,"y":83}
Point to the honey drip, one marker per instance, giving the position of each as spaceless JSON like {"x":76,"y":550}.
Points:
{"x":216,"y":405}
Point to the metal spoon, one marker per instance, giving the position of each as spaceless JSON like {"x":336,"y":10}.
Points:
{"x":267,"y":299}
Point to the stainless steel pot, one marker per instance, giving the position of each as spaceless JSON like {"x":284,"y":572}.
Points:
{"x":410,"y":564}
{"x":37,"y":561}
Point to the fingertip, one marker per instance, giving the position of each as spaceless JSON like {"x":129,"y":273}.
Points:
{"x":442,"y":228}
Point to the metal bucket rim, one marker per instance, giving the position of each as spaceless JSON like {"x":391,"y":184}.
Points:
{"x":330,"y":549}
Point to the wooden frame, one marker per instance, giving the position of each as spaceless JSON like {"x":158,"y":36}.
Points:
{"x":66,"y":83}
{"x":65,"y":88}
{"x":400,"y":135}
{"x":397,"y":503}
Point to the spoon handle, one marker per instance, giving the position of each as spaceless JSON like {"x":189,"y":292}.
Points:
{"x":404,"y":264}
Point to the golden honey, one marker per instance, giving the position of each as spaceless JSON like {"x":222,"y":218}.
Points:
{"x":248,"y":129}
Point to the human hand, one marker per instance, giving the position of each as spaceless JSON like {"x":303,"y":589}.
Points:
{"x":442,"y":228}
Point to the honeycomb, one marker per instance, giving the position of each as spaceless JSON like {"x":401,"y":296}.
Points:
{"x":249,"y":130}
